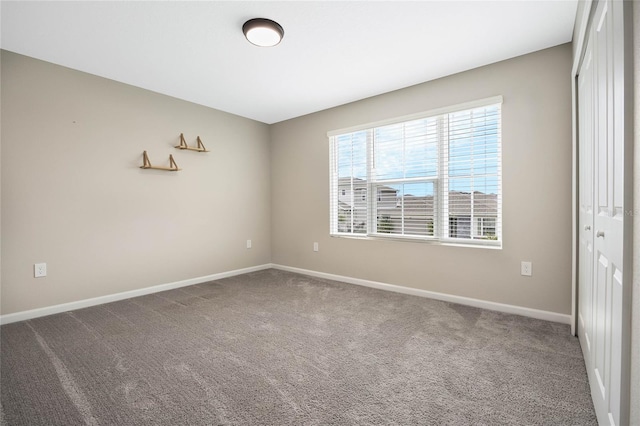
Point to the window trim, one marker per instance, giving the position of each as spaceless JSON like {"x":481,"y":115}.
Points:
{"x":438,"y":240}
{"x":438,"y":111}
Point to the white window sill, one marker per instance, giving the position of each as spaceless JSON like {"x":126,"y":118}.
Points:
{"x":494,"y":245}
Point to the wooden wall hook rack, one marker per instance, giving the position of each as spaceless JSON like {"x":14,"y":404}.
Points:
{"x":183,"y":145}
{"x":146,"y":164}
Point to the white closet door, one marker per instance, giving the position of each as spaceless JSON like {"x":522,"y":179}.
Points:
{"x":601,"y":151}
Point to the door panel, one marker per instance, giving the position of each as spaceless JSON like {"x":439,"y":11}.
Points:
{"x":600,"y":242}
{"x":600,"y":322}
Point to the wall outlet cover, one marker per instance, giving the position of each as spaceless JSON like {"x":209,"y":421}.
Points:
{"x":526,"y":269}
{"x":40,"y":270}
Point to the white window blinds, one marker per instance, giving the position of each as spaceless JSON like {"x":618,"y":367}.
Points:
{"x":431,"y":177}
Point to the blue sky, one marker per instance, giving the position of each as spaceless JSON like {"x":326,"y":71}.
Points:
{"x":410,"y":150}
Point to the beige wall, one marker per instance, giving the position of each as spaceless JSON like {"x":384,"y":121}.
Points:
{"x":536,"y":185}
{"x":73,"y":194}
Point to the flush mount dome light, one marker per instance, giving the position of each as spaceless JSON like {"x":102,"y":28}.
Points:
{"x":263,"y":32}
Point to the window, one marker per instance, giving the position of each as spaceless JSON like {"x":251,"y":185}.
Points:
{"x":433,"y":176}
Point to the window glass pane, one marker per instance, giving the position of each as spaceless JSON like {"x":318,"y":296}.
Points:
{"x":388,"y":152}
{"x":344,"y":219}
{"x":418,"y":203}
{"x":344,"y":147}
{"x":352,"y":155}
{"x":486,"y":196}
{"x":406,"y":209}
{"x":421,"y":148}
{"x":360,"y":207}
{"x":352,"y":205}
{"x":388,"y":211}
{"x":460,"y":157}
{"x":473,"y":142}
{"x":344,"y":205}
{"x":473,"y":178}
{"x":406,"y":150}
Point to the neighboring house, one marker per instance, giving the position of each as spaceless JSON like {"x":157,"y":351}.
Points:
{"x":352,"y":205}
{"x":415,"y":215}
{"x":479,"y":222}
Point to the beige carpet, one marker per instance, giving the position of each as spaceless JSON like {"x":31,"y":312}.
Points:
{"x":278,"y":348}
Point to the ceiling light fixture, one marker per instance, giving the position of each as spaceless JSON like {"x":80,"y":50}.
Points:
{"x":263,"y":32}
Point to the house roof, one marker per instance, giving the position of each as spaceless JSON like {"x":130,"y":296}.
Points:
{"x":485,"y":205}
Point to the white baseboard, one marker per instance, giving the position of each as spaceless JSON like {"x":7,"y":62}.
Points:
{"x":65,"y":307}
{"x":484,"y":304}
{"x":493,"y":306}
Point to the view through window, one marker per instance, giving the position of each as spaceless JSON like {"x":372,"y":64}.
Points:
{"x":432,"y":177}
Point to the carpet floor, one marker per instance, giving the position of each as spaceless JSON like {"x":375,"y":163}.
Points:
{"x":278,"y":348}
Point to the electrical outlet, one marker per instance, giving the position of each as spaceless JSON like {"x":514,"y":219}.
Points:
{"x":526,"y":269}
{"x":315,"y":247}
{"x":40,"y":270}
{"x":248,"y":244}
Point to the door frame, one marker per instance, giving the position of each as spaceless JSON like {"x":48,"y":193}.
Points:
{"x":583,"y":20}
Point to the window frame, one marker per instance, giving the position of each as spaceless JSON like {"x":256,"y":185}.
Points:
{"x":440,"y":183}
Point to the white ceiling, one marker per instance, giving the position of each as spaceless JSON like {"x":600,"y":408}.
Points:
{"x":333,"y":52}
